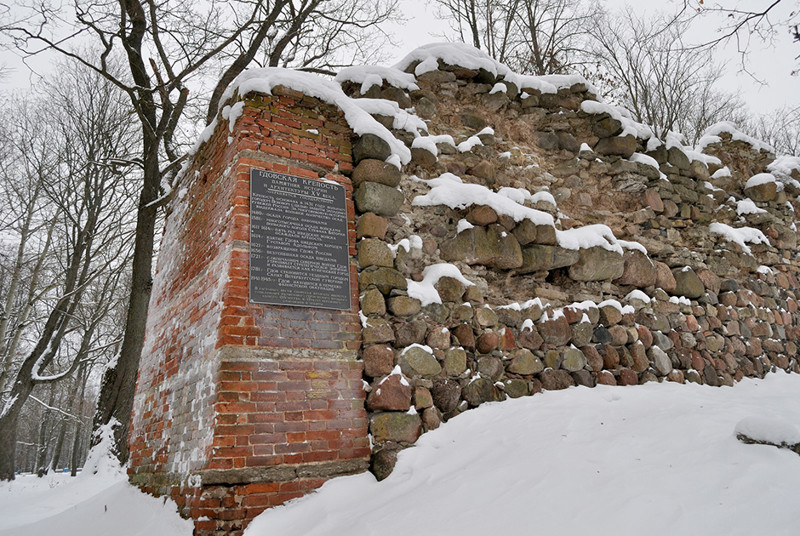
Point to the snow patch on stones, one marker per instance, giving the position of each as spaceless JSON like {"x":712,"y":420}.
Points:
{"x":425,"y":290}
{"x":264,"y":80}
{"x":740,"y":236}
{"x":375,"y":75}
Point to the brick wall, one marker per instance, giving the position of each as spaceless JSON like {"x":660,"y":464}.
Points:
{"x":241,"y":406}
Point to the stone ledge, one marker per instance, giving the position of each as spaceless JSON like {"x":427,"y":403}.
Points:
{"x":247,"y":353}
{"x":250,"y":475}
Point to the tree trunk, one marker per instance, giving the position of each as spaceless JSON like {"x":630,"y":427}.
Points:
{"x":8,"y":439}
{"x":119,"y":382}
{"x":75,"y":456}
{"x":62,"y":434}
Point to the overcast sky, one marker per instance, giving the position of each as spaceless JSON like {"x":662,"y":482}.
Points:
{"x":771,"y":63}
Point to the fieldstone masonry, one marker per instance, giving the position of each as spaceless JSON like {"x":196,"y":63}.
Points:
{"x":243,"y":406}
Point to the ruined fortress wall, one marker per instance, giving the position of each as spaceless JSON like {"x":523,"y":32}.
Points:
{"x":508,"y":234}
{"x":240,"y":405}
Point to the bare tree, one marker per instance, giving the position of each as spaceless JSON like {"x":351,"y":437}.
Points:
{"x":531,"y":36}
{"x":644,"y":65}
{"x":86,"y":243}
{"x":165,"y":47}
{"x":781,"y":129}
{"x":740,"y":24}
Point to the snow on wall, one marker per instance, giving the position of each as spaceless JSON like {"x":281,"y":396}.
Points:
{"x":540,"y":252}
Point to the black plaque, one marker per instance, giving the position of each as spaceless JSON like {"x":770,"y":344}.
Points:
{"x":299,"y":253}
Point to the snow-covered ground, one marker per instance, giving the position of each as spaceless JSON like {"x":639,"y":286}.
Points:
{"x":655,"y":459}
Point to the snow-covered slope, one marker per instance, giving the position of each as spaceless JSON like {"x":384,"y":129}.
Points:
{"x":661,"y":459}
{"x":655,"y":459}
{"x":89,"y":505}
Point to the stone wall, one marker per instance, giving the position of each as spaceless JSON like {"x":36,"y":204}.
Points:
{"x":689,"y":305}
{"x":509,"y":234}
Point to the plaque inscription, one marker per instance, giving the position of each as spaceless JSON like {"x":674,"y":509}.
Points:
{"x":298,"y":242}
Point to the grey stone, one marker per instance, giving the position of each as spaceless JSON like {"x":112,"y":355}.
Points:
{"x":382,"y":463}
{"x":660,"y":360}
{"x":481,"y":390}
{"x":378,"y":198}
{"x":524,"y":363}
{"x":623,"y":146}
{"x":516,"y":388}
{"x":370,"y":146}
{"x":383,"y":278}
{"x":455,"y":362}
{"x":374,"y":252}
{"x":678,"y":158}
{"x":573,"y":360}
{"x":372,"y":170}
{"x":539,"y":258}
{"x":415,"y":361}
{"x":487,"y":247}
{"x":446,"y":394}
{"x":687,"y":283}
{"x":597,"y":264}
{"x":606,"y":126}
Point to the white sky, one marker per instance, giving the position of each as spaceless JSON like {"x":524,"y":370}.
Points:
{"x":772,"y":63}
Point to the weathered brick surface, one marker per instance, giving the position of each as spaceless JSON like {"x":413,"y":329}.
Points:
{"x":227,"y":388}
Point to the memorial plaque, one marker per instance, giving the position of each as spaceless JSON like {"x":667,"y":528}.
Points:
{"x":299,"y":253}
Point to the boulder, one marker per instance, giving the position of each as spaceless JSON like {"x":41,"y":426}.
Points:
{"x":481,"y":390}
{"x":488,"y":247}
{"x":762,"y":193}
{"x":481,"y":215}
{"x":374,"y":252}
{"x":423,"y":157}
{"x":555,"y":332}
{"x":597,"y":264}
{"x":677,"y":158}
{"x":370,"y":146}
{"x":687,"y":283}
{"x":416,"y":361}
{"x":383,"y":278}
{"x":372,"y":170}
{"x":404,"y":306}
{"x":487,"y":342}
{"x":372,"y":302}
{"x":523,"y":362}
{"x":411,"y":332}
{"x":382,"y":462}
{"x":660,"y":360}
{"x":664,"y":278}
{"x":446,"y":394}
{"x":639,"y":271}
{"x":392,"y":393}
{"x":378,"y":198}
{"x":573,"y":360}
{"x":378,"y":330}
{"x":450,"y":289}
{"x":538,"y":258}
{"x":623,"y":146}
{"x":606,"y":126}
{"x":371,"y":225}
{"x":455,"y":362}
{"x":555,"y":379}
{"x":515,"y":387}
{"x":393,"y":426}
{"x":485,"y":317}
{"x":378,"y":360}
